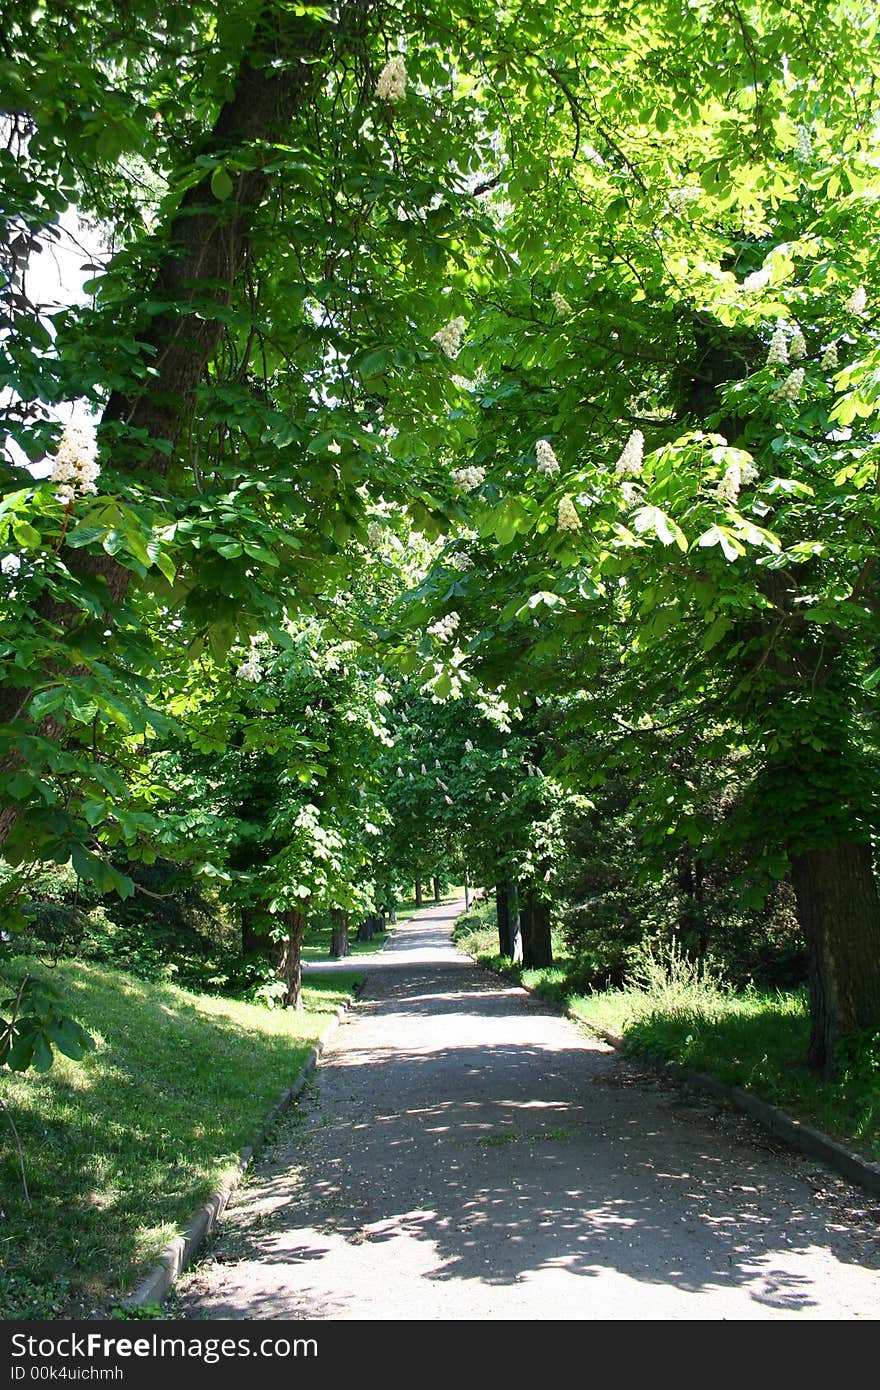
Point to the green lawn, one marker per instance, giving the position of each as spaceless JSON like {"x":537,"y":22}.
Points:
{"x":122,"y":1148}
{"x":756,"y":1039}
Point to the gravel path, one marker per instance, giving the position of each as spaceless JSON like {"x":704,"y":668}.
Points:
{"x":466,"y":1154}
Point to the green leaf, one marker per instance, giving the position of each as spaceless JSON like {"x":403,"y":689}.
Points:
{"x":21,"y":1053}
{"x":375,"y":362}
{"x":26,"y":535}
{"x":666,"y":530}
{"x":165,"y":565}
{"x":42,"y":1054}
{"x":69,"y":1038}
{"x":873,"y":680}
{"x":715,"y":632}
{"x":221,"y":184}
{"x":720,"y":535}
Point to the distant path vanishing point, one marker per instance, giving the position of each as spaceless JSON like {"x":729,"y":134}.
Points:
{"x":466,"y":1153}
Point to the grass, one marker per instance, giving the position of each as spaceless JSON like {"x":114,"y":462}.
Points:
{"x":122,"y":1148}
{"x":757,"y":1039}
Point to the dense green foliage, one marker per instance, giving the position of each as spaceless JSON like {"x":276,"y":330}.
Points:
{"x":519,"y":359}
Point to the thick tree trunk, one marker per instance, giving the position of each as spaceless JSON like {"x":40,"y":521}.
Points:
{"x":839,"y":910}
{"x":418,"y":892}
{"x":208,"y":244}
{"x":290,"y":957}
{"x":516,"y":945}
{"x":365,"y":930}
{"x":537,"y":946}
{"x":502,"y":917}
{"x":436,"y":884}
{"x":507,"y":911}
{"x":339,"y":943}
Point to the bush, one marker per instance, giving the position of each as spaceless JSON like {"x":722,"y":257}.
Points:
{"x":664,"y":980}
{"x":615,"y":892}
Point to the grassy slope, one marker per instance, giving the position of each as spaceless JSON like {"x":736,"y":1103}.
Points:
{"x":758,"y":1040}
{"x":122,"y":1148}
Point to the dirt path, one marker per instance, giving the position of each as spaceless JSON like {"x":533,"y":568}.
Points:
{"x":465,"y":1154}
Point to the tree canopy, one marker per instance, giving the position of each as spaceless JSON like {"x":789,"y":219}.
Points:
{"x":513,"y":369}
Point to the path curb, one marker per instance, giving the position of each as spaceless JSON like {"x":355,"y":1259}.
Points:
{"x":180,"y":1252}
{"x":813,"y":1142}
{"x":800,"y":1136}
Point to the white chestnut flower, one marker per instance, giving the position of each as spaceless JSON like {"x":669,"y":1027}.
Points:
{"x":797,"y":348}
{"x":567,"y":518}
{"x":858,"y":301}
{"x":548,"y":463}
{"x":632,"y":456}
{"x":449,"y":338}
{"x":777,"y":355}
{"x":391,"y":84}
{"x":468,"y":479}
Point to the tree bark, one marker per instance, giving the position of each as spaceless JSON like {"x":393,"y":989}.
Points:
{"x":208,"y":244}
{"x":418,"y":892}
{"x":507,"y":911}
{"x":839,"y":910}
{"x":339,"y":943}
{"x":502,"y":917}
{"x":537,"y":945}
{"x":516,"y":943}
{"x":290,"y":957}
{"x":436,"y":885}
{"x":467,"y":890}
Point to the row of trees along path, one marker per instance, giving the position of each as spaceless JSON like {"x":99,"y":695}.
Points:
{"x":545,"y":383}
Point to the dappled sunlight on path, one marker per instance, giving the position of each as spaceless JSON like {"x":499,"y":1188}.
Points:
{"x":465,"y":1153}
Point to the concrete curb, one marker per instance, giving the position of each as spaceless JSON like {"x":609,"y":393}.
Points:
{"x":798,"y":1135}
{"x":180,"y":1252}
{"x":813,"y":1142}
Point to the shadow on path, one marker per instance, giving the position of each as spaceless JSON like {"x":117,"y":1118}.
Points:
{"x":468,"y":1153}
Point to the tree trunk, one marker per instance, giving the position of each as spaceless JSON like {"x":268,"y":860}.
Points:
{"x":208,"y":243}
{"x":467,"y":890}
{"x":507,"y":911}
{"x":515,"y":929}
{"x":536,"y":941}
{"x":502,"y":917}
{"x":290,"y":958}
{"x":365,"y":930}
{"x":418,"y":892}
{"x":839,"y":910}
{"x":339,"y":943}
{"x":436,"y":884}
